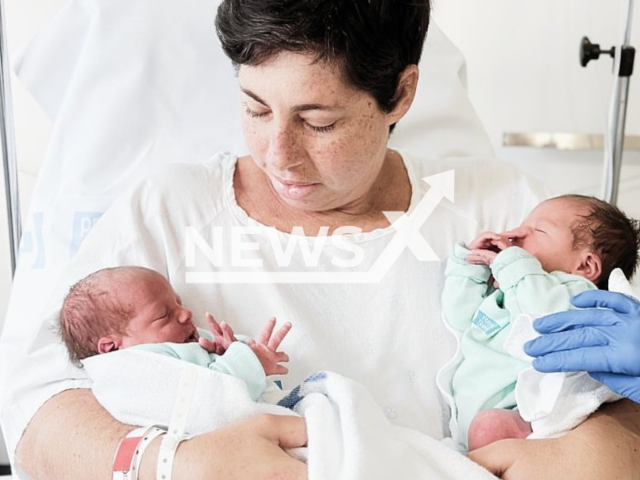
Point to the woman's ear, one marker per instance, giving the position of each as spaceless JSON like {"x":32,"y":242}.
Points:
{"x":405,"y":93}
{"x":110,"y":343}
{"x":590,"y":266}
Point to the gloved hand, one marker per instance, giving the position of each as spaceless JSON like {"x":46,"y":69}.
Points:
{"x":603,"y":341}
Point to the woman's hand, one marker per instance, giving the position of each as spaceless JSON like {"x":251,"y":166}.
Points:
{"x":72,"y":436}
{"x":602,"y":339}
{"x":249,"y":449}
{"x":604,"y":447}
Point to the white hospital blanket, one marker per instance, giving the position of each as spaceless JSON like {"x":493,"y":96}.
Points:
{"x":555,"y":403}
{"x":349,"y":436}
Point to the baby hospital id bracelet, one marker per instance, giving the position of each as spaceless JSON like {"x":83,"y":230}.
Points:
{"x":167,"y":454}
{"x":177,"y":424}
{"x":129,"y":453}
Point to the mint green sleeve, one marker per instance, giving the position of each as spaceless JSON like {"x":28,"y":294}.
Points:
{"x":168,"y":349}
{"x":529,"y":289}
{"x":240,"y":361}
{"x":465,"y":287}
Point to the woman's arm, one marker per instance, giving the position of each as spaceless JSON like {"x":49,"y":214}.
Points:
{"x":72,"y":436}
{"x":605,"y":446}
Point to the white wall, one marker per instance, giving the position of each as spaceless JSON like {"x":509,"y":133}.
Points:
{"x":524,"y":76}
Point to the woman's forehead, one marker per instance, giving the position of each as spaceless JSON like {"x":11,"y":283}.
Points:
{"x":296,"y":75}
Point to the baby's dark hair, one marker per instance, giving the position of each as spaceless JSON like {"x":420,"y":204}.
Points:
{"x":610,"y":234}
{"x":91,"y":311}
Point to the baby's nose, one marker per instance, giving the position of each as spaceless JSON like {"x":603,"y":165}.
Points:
{"x":519,"y":236}
{"x":516,"y":241}
{"x":185,"y":315}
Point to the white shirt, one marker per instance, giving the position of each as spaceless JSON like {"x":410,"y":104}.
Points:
{"x":388,"y":335}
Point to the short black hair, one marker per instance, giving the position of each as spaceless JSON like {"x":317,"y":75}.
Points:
{"x":610,"y":234}
{"x":372,"y":41}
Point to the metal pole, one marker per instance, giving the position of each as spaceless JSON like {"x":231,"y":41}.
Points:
{"x":619,"y":116}
{"x":7,"y":137}
{"x":618,"y":113}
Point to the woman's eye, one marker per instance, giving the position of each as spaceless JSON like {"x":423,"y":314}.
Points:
{"x":322,"y":129}
{"x":253,"y":114}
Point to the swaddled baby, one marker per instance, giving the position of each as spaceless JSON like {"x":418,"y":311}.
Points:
{"x":123,"y":307}
{"x":497,"y":283}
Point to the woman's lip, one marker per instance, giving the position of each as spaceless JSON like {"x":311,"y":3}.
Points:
{"x":292,"y":190}
{"x":290,"y":183}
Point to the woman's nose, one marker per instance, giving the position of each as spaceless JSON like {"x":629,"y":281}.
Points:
{"x":284,"y":149}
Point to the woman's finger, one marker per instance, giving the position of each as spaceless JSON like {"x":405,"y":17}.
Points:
{"x":596,"y":359}
{"x":574,"y":319}
{"x":586,"y":337}
{"x":604,"y":299}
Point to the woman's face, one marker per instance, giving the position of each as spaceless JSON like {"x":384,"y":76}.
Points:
{"x":320,"y":142}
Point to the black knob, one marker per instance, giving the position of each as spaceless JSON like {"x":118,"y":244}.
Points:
{"x":591,"y":51}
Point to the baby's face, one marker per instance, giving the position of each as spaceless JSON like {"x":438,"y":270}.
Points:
{"x":546,"y":234}
{"x":158,"y":315}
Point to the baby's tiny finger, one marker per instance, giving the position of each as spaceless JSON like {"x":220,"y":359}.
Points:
{"x":227,"y":331}
{"x":267,"y":331}
{"x":213,"y":324}
{"x":277,"y":339}
{"x":282,"y":357}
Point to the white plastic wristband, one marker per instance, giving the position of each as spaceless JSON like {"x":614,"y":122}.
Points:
{"x":129,"y":452}
{"x":151,"y":435}
{"x":167,"y":455}
{"x":177,"y":424}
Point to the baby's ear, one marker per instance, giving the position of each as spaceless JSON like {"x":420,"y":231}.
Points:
{"x":590,"y":266}
{"x":108,"y":344}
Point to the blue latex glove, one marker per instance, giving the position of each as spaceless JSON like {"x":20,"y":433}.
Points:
{"x":604,"y":342}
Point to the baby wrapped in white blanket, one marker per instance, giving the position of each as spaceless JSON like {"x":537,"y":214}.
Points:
{"x":349,"y":437}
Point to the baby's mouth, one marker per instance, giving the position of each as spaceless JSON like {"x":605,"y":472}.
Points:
{"x":193,"y":337}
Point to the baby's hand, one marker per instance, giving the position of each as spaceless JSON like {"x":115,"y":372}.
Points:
{"x":223,"y":336}
{"x":484,"y":241}
{"x":481,"y":257}
{"x":486,"y":246}
{"x":266,"y":348}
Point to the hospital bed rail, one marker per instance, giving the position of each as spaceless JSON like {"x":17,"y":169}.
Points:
{"x":7,"y":138}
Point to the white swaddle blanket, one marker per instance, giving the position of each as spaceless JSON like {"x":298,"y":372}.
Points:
{"x":555,"y":403}
{"x":349,"y":436}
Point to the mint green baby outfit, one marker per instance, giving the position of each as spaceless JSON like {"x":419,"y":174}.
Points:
{"x":482,"y":315}
{"x":239,"y":360}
